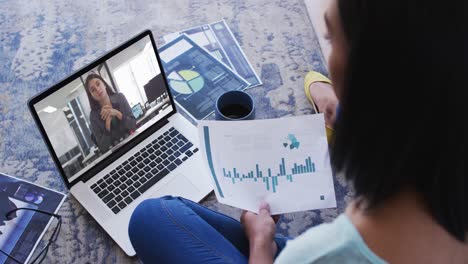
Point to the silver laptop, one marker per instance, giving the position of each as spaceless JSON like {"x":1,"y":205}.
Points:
{"x":110,"y":160}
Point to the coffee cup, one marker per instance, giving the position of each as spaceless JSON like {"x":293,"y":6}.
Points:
{"x":235,"y":105}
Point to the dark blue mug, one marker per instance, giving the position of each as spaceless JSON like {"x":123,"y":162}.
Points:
{"x":235,"y":105}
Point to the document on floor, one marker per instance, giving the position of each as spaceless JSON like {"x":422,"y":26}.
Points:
{"x":219,"y":40}
{"x":284,"y":162}
{"x":21,"y":231}
{"x":195,"y":77}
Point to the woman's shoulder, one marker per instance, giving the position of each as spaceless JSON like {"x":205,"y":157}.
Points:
{"x":117,"y":97}
{"x":118,"y":94}
{"x":332,"y":242}
{"x":314,"y":243}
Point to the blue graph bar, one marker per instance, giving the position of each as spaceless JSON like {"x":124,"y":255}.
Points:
{"x":307,"y":167}
{"x":283,"y":166}
{"x":267,"y":180}
{"x":210,"y":159}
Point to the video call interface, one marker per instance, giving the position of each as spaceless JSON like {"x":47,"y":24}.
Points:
{"x":103,"y":109}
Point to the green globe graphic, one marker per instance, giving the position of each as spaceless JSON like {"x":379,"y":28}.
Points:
{"x":186,"y":81}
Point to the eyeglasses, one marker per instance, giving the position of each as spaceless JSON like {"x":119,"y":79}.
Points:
{"x":43,"y":252}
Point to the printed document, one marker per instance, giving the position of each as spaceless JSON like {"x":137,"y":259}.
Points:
{"x":284,"y":162}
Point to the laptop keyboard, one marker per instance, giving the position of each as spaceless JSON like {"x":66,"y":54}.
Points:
{"x":128,"y":181}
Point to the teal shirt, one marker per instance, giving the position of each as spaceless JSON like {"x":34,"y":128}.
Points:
{"x":336,"y":242}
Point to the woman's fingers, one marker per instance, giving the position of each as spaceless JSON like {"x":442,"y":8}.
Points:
{"x":264,"y":208}
{"x":113,"y":112}
{"x":105,"y":112}
{"x":242,"y":217}
{"x":259,"y":226}
{"x":108,"y":124}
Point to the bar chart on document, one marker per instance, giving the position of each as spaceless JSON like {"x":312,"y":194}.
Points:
{"x":283,"y":161}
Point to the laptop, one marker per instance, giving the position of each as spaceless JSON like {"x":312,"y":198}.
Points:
{"x":108,"y":163}
{"x":137,"y":111}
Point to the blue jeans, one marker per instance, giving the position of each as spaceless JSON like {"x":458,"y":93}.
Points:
{"x":176,"y":230}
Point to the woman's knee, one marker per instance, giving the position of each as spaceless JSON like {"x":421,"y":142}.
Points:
{"x":148,"y":214}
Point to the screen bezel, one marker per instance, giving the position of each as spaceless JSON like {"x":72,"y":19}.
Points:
{"x":122,"y":150}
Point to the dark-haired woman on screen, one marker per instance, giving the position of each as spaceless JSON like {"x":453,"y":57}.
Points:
{"x":111,"y":116}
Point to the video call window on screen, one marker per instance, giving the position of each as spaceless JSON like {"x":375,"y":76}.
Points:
{"x":105,"y":108}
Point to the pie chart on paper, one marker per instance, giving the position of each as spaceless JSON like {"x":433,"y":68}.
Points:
{"x":186,"y":81}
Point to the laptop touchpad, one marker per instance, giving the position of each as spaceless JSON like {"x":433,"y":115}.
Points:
{"x":179,"y":186}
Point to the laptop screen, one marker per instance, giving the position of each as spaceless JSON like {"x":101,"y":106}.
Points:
{"x":93,"y":115}
{"x":137,"y":111}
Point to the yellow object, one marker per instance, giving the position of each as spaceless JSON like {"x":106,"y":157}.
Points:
{"x":311,"y":78}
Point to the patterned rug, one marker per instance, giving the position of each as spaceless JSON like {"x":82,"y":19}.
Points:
{"x":44,"y":41}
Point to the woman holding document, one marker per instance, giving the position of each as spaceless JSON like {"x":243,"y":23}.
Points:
{"x":398,"y":70}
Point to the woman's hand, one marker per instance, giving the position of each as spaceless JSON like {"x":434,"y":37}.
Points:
{"x":260,"y":230}
{"x":108,"y":112}
{"x":108,"y":124}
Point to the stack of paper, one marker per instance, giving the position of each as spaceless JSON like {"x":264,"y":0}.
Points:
{"x":202,"y":63}
{"x":21,"y":232}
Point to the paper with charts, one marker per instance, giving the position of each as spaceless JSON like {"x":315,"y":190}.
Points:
{"x":195,"y":77}
{"x":218,"y":39}
{"x":284,"y":162}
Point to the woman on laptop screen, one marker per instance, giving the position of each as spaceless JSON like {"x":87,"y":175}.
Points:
{"x":111,"y":116}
